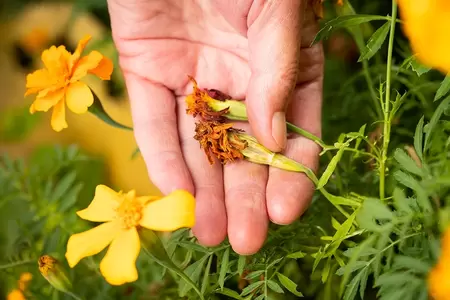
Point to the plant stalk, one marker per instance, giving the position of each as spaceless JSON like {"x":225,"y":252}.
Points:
{"x":386,"y":106}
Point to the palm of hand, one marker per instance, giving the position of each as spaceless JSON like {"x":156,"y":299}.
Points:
{"x":160,"y":43}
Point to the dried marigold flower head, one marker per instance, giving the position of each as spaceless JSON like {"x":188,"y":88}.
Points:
{"x":214,"y":105}
{"x":218,"y":140}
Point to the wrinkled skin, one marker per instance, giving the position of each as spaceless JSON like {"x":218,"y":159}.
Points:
{"x":254,"y":50}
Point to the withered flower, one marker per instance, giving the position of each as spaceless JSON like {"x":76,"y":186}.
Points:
{"x":214,"y":105}
{"x":218,"y":140}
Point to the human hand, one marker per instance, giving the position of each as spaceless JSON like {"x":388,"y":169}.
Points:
{"x":257,"y":50}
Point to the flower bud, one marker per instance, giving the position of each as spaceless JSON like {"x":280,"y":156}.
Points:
{"x":54,"y":273}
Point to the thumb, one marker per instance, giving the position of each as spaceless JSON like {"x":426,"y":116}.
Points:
{"x":274,"y":42}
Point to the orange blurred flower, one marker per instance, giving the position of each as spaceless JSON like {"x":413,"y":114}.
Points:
{"x":17,"y":294}
{"x":439,"y":277}
{"x":426,"y":23}
{"x":59,"y":82}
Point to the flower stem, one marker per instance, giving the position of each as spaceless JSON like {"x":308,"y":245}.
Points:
{"x":18,"y":263}
{"x":74,"y":296}
{"x":166,"y":263}
{"x":306,"y":134}
{"x":386,"y":108}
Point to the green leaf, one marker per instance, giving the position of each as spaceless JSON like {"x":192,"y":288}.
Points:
{"x":350,"y":268}
{"x":254,"y":274}
{"x":289,"y":284}
{"x":63,"y":186}
{"x":97,"y":109}
{"x":410,"y":182}
{"x":193,"y":246}
{"x":410,"y":263}
{"x":407,"y":163}
{"x":193,"y":271}
{"x":363,"y":282}
{"x":434,"y":120}
{"x":274,"y":262}
{"x":326,"y":270}
{"x":400,"y":201}
{"x":252,"y":287}
{"x":344,"y":21}
{"x":275,"y":287}
{"x":205,"y":282}
{"x":296,"y":255}
{"x":443,"y":89}
{"x":70,"y":198}
{"x":330,"y":168}
{"x":340,"y":234}
{"x":352,"y":287}
{"x":224,"y":267}
{"x":241,"y":264}
{"x":417,"y":66}
{"x":418,"y":138}
{"x":228,"y":292}
{"x":375,"y":42}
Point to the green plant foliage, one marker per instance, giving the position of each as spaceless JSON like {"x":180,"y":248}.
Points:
{"x":372,"y":230}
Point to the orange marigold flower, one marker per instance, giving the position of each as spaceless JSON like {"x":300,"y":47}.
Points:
{"x":426,"y":23}
{"x":439,"y":276}
{"x":59,"y":82}
{"x":35,"y":40}
{"x":16,"y":294}
{"x":215,"y":140}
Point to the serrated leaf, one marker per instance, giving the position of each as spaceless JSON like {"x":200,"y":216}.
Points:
{"x":375,"y":42}
{"x":289,"y":284}
{"x":63,"y":186}
{"x":275,"y":287}
{"x":205,"y":282}
{"x":70,"y":198}
{"x":340,"y":234}
{"x":254,"y":274}
{"x":350,"y":268}
{"x":241,"y":264}
{"x":330,"y":168}
{"x":273,"y":263}
{"x":344,"y":21}
{"x":417,"y":67}
{"x":296,"y":255}
{"x":352,"y":287}
{"x":410,"y":182}
{"x":230,"y":293}
{"x":224,"y":267}
{"x":260,"y":297}
{"x":407,"y":163}
{"x":363,"y":282}
{"x":193,"y":246}
{"x":400,"y":201}
{"x":193,"y":271}
{"x":410,"y":263}
{"x":443,"y":89}
{"x":252,"y":287}
{"x":418,"y":138}
{"x":434,"y":120}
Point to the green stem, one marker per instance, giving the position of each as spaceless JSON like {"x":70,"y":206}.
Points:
{"x":179,"y":272}
{"x":74,"y":296}
{"x":18,"y":263}
{"x":306,"y":134}
{"x":386,"y":108}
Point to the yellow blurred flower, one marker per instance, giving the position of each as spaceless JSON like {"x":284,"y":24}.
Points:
{"x":17,"y":294}
{"x":439,"y":277}
{"x":123,"y":214}
{"x":35,"y":40}
{"x":59,"y":82}
{"x":426,"y":23}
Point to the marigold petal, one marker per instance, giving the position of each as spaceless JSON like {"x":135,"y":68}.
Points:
{"x":119,"y":264}
{"x":58,"y":121}
{"x":103,"y":206}
{"x":16,"y":295}
{"x":38,"y":80}
{"x":104,"y":69}
{"x":170,"y":213}
{"x":90,"y":242}
{"x":79,"y":50}
{"x":56,"y":60}
{"x":85,"y":64}
{"x":50,"y":99}
{"x":79,"y":97}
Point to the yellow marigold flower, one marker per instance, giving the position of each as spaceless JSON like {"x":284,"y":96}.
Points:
{"x":439,"y":277}
{"x":426,"y":23}
{"x":123,"y":214}
{"x":59,"y":82}
{"x":16,"y":294}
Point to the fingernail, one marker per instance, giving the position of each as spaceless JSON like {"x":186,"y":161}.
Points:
{"x":279,"y":128}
